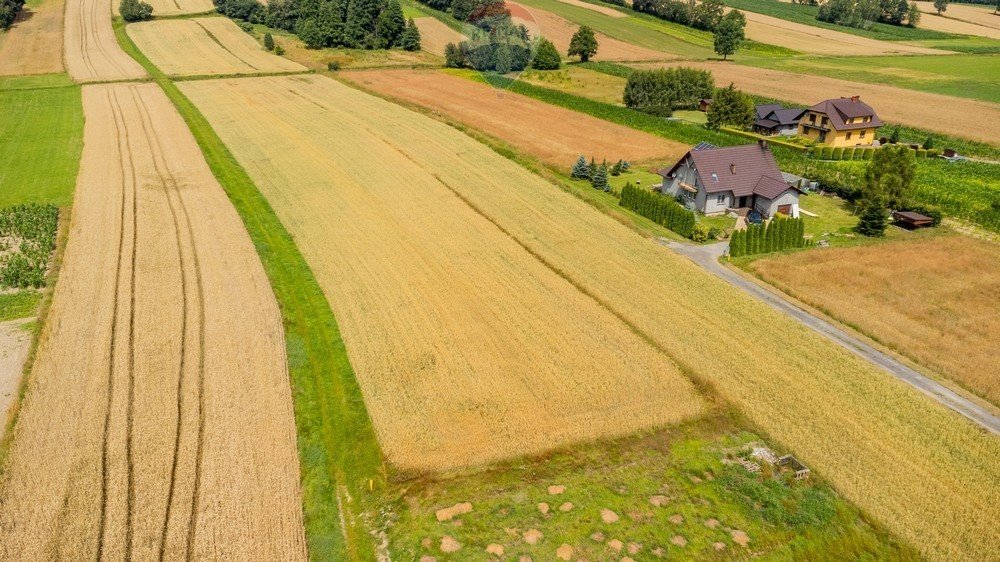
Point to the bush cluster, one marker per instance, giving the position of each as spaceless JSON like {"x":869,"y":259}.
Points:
{"x":502,"y":48}
{"x":842,"y":153}
{"x":30,"y":234}
{"x":661,"y":91}
{"x":357,"y":24}
{"x":779,"y":234}
{"x":135,"y":10}
{"x":8,"y":11}
{"x":659,"y":209}
{"x":704,"y":15}
{"x":861,"y":15}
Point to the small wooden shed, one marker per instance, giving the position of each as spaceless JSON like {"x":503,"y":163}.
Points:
{"x":911,"y":219}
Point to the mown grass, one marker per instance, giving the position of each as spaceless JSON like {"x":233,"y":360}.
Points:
{"x":341,"y":463}
{"x":42,"y":132}
{"x":21,"y":304}
{"x":784,"y":519}
{"x":964,"y":76}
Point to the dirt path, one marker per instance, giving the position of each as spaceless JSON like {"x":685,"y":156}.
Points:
{"x":820,"y":41}
{"x":159,"y":420}
{"x":555,"y":135}
{"x":960,"y":117}
{"x":435,"y":36}
{"x":15,"y":342}
{"x":708,"y":258}
{"x":29,"y":46}
{"x":91,"y":51}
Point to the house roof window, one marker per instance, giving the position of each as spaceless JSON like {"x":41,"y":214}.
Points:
{"x":715,"y":177}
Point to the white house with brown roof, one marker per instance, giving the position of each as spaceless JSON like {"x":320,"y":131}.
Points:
{"x":715,"y":180}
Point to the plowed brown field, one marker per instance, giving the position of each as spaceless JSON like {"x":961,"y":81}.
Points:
{"x":435,"y":36}
{"x":820,"y":41}
{"x":205,"y":46}
{"x":553,"y":134}
{"x":177,"y":7}
{"x":560,"y":30}
{"x":960,"y":117}
{"x":317,"y":148}
{"x":467,"y":347}
{"x":91,"y":50}
{"x":158,"y":422}
{"x":31,"y":45}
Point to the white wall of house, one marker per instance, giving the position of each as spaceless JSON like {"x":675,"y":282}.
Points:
{"x":715,"y":203}
{"x":789,"y":130}
{"x":769,"y":207}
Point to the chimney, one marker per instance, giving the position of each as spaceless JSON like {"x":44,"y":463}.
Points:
{"x":762,"y":143}
{"x":732,"y":168}
{"x":855,"y":99}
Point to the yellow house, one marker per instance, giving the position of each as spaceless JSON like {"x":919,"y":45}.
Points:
{"x":840,"y":122}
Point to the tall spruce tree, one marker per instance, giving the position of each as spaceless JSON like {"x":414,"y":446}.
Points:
{"x":873,"y":219}
{"x":600,"y":178}
{"x":390,"y":24}
{"x":410,"y":39}
{"x":581,"y":170}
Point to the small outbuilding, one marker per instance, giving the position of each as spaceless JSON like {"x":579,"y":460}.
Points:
{"x":910,"y":219}
{"x":704,"y":103}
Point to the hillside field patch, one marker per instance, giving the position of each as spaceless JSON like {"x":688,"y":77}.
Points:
{"x":31,"y":45}
{"x":91,"y":52}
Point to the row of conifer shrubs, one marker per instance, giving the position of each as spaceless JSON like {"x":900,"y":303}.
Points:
{"x":821,"y":152}
{"x":778,"y":234}
{"x":659,"y":209}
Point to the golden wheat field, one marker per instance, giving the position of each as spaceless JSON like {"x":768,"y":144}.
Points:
{"x":467,"y":348}
{"x":959,"y":18}
{"x":205,"y":46}
{"x":820,"y":41}
{"x":31,"y":45}
{"x":158,"y":422}
{"x":961,"y":117}
{"x":606,"y":10}
{"x":178,"y":7}
{"x":904,"y":459}
{"x":934,"y":300}
{"x":90,"y":49}
{"x":435,"y":36}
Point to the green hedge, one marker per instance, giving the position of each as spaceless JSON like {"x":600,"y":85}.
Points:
{"x":659,"y":209}
{"x":778,"y":234}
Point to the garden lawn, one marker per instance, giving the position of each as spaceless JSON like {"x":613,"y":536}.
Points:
{"x":42,"y":132}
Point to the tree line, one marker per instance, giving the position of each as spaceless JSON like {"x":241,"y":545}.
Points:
{"x":779,"y":234}
{"x":659,"y":209}
{"x":8,"y":11}
{"x":862,"y":13}
{"x":355,"y":24}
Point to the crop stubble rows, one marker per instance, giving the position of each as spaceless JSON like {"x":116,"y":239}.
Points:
{"x":205,"y":46}
{"x":91,"y":52}
{"x":905,"y":460}
{"x":27,"y":47}
{"x":158,"y":423}
{"x":467,"y":348}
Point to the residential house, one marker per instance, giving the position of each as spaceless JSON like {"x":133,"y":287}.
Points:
{"x":772,"y":119}
{"x":840,"y":122}
{"x":738,"y":178}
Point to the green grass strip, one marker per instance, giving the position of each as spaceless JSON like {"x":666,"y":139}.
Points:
{"x":341,"y":462}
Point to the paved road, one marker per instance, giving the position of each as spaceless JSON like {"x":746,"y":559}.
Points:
{"x":708,"y":258}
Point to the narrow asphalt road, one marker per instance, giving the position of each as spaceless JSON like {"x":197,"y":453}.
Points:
{"x":708,"y":257}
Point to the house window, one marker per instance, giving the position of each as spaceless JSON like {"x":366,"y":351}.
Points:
{"x":715,"y":177}
{"x":812,"y":117}
{"x":720,"y":199}
{"x":824,"y":121}
{"x":848,"y":136}
{"x":863,"y":134}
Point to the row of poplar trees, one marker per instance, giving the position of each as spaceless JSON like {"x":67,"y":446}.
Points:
{"x":659,"y":209}
{"x":779,"y":234}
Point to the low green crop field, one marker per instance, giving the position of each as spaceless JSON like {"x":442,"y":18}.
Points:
{"x":673,"y":495}
{"x":967,"y":76}
{"x":42,"y":132}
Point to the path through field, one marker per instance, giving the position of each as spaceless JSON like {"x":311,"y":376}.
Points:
{"x":91,"y":51}
{"x":30,"y":46}
{"x":555,"y":135}
{"x":468,"y":349}
{"x":960,"y":117}
{"x":820,"y":41}
{"x":205,"y":46}
{"x":15,"y":342}
{"x":158,"y":422}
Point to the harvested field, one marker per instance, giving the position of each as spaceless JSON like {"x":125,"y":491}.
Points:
{"x":960,"y":117}
{"x":560,"y":30}
{"x":158,"y":421}
{"x":934,"y":300}
{"x":205,"y":46}
{"x":178,"y":7}
{"x":91,"y":51}
{"x":28,"y":46}
{"x":15,"y":342}
{"x":468,"y":349}
{"x":578,"y":81}
{"x":820,"y":41}
{"x":606,"y":10}
{"x":435,"y":36}
{"x":966,"y":19}
{"x":555,"y":135}
{"x":902,"y":458}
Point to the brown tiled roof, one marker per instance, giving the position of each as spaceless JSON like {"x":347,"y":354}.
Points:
{"x":740,"y":169}
{"x":839,"y":110}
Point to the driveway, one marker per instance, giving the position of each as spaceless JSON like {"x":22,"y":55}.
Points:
{"x":707,"y":257}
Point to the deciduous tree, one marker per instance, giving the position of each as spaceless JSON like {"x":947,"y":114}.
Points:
{"x":731,"y":107}
{"x":890,"y":174}
{"x":546,"y":56}
{"x":729,"y":34}
{"x":583,"y":44}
